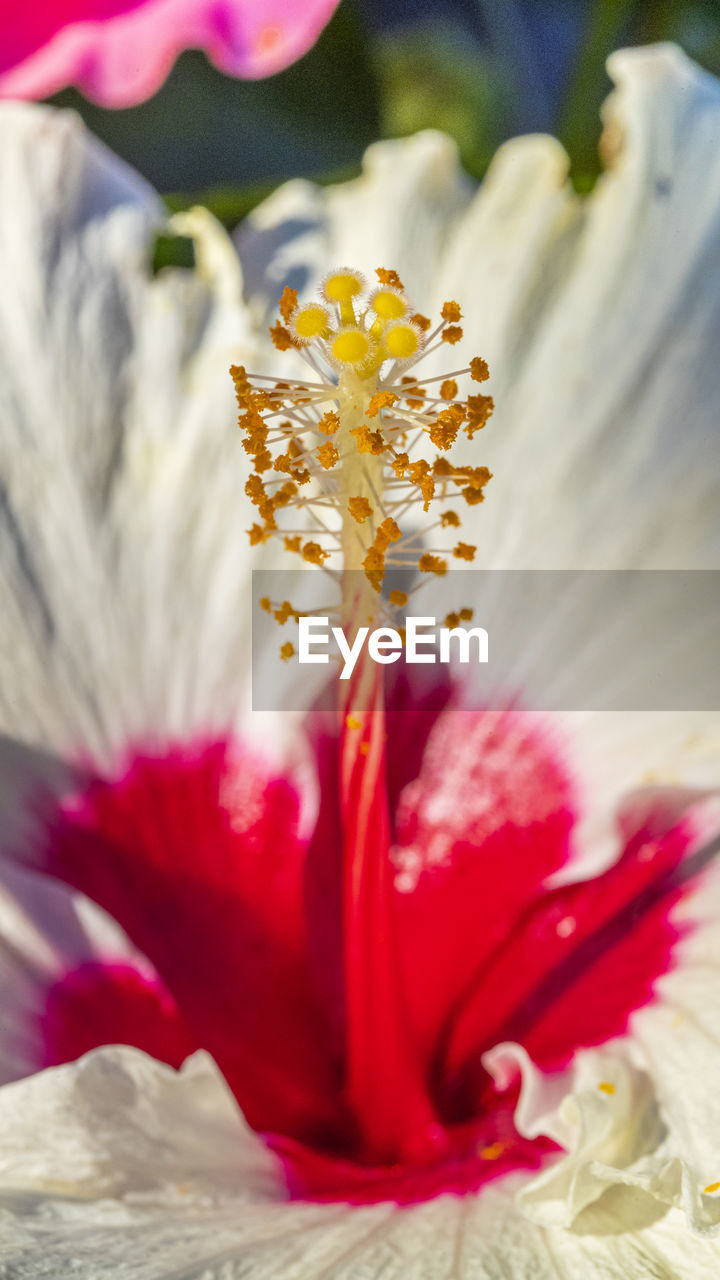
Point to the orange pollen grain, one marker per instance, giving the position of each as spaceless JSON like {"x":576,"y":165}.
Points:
{"x":359,"y":509}
{"x":463,"y":551}
{"x":390,"y":277}
{"x":432,"y":564}
{"x":288,"y":303}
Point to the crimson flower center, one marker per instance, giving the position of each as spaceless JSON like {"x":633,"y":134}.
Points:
{"x":348,"y":975}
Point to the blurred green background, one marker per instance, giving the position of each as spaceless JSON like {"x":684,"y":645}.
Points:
{"x":482,"y":70}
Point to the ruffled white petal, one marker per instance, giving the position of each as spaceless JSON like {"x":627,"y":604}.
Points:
{"x":116,"y":1121}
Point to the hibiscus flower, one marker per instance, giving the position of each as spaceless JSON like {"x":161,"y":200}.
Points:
{"x":119,"y":53}
{"x":445,"y":1005}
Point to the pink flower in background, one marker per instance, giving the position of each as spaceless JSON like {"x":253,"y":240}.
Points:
{"x":118,"y":52}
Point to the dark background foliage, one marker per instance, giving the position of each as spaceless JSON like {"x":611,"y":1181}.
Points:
{"x":482,"y":70}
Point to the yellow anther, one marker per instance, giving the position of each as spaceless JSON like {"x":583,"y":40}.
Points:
{"x":288,"y":303}
{"x":389,"y":304}
{"x":350,"y":346}
{"x":402,"y":341}
{"x":359,"y":509}
{"x":284,"y":612}
{"x":310,"y":322}
{"x":353,"y":723}
{"x":399,"y":598}
{"x":710,"y":1188}
{"x":464,"y":551}
{"x":327,"y":455}
{"x":606,"y":1087}
{"x":432,"y":564}
{"x":282,"y":338}
{"x":314,"y":553}
{"x":388,"y":276}
{"x":329,"y":423}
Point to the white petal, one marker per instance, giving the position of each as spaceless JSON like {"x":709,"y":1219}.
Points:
{"x":124,"y":558}
{"x":116,"y":1121}
{"x":400,"y":213}
{"x":129,"y":1170}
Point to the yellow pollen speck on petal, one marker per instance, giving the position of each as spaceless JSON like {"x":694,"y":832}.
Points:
{"x":265,"y":604}
{"x":350,"y":346}
{"x":710,"y":1188}
{"x":398,"y":597}
{"x":364,"y":748}
{"x":606,"y":1087}
{"x":467,"y":615}
{"x":353,"y":723}
{"x":287,"y":650}
{"x":311,"y":322}
{"x":402,"y":341}
{"x":268,"y":38}
{"x":493,"y":1151}
{"x":359,"y":509}
{"x":343,"y":286}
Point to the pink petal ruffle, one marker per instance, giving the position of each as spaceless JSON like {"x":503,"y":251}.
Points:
{"x":118,"y":52}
